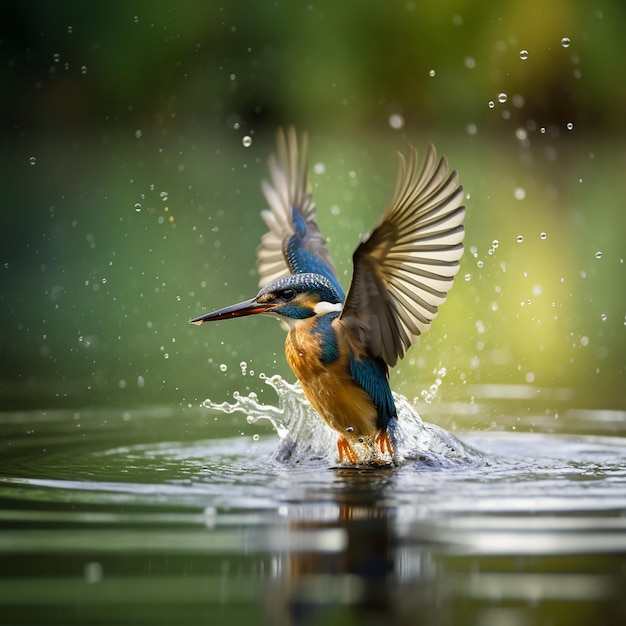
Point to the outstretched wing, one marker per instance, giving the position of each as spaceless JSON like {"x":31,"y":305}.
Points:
{"x":294,"y":243}
{"x":405,"y":267}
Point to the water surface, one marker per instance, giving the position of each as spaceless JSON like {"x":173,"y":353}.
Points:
{"x":106,"y":519}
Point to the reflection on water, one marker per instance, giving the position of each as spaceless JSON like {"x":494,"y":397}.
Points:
{"x":109,"y":519}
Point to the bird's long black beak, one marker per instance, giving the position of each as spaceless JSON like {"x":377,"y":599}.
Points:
{"x":248,"y":307}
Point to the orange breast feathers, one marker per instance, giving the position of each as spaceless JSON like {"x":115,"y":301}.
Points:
{"x":335,"y":395}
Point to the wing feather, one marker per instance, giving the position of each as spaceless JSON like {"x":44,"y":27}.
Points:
{"x":293,"y":243}
{"x":404,"y":269}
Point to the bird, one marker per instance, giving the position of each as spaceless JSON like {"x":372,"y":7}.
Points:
{"x":340,"y":345}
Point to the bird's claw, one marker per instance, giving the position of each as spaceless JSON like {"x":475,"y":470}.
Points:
{"x":345,"y":451}
{"x":384,"y":443}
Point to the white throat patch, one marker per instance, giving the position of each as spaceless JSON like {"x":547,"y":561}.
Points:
{"x":327,"y":307}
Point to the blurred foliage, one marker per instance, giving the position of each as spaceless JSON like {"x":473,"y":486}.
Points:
{"x":132,"y":205}
{"x":328,"y":64}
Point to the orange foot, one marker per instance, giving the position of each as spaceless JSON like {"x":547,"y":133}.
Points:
{"x":346,"y":451}
{"x":384,"y":443}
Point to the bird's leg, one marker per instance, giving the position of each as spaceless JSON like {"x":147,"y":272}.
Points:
{"x":346,"y":451}
{"x":384,"y":443}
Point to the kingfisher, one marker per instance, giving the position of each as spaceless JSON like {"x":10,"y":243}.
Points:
{"x":340,"y":345}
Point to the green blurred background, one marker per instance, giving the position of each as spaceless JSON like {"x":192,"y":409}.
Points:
{"x":131,"y":202}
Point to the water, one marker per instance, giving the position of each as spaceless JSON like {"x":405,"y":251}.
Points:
{"x":108,"y":518}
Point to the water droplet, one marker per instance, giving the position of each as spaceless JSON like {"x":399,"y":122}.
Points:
{"x":166,"y":356}
{"x":255,"y":437}
{"x":467,"y":277}
{"x":470,"y":62}
{"x":479,"y":264}
{"x":350,"y":429}
{"x":523,"y":54}
{"x":137,"y":207}
{"x":491,"y":104}
{"x":319,"y":168}
{"x":565,"y":42}
{"x":519,"y":193}
{"x":69,"y":30}
{"x":495,"y":243}
{"x":502,"y":97}
{"x":93,"y":572}
{"x":598,"y":254}
{"x":247,"y":141}
{"x":396,"y":121}
{"x":472,"y":129}
{"x":519,"y":238}
{"x":138,"y":134}
{"x":431,"y":73}
{"x":543,"y":235}
{"x":136,"y":19}
{"x":244,"y":367}
{"x":56,"y":57}
{"x":33,"y":160}
{"x":521,"y":134}
{"x":83,"y":69}
{"x":570,"y":125}
{"x":223,"y":367}
{"x":603,"y":317}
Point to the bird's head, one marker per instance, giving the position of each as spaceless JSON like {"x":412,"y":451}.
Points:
{"x":290,"y":299}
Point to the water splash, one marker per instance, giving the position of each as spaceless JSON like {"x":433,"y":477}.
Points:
{"x":304,"y":438}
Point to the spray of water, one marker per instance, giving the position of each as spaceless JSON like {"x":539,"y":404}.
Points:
{"x":305,"y":438}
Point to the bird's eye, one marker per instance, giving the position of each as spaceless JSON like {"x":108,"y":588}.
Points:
{"x":287,"y":294}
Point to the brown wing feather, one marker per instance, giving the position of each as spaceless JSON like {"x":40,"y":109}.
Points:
{"x":405,"y":267}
